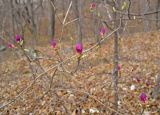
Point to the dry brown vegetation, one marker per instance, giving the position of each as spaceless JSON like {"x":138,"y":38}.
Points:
{"x":90,"y":88}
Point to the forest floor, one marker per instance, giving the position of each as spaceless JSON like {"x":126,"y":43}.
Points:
{"x":90,"y":89}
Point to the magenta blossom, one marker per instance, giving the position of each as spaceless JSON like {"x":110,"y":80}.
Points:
{"x":102,"y":31}
{"x":143,"y":97}
{"x":137,"y":79}
{"x":53,"y":43}
{"x":119,"y":67}
{"x":148,"y":83}
{"x":10,"y":45}
{"x":92,"y":5}
{"x":18,"y":38}
{"x":79,"y":48}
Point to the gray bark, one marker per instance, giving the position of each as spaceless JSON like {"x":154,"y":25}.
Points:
{"x":12,"y":15}
{"x":146,"y":9}
{"x":116,"y":56}
{"x":77,"y":4}
{"x":158,"y":15}
{"x":51,"y":19}
{"x":95,"y":23}
{"x":32,"y":18}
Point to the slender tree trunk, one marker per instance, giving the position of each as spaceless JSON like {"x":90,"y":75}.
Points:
{"x":12,"y":15}
{"x":63,"y":7}
{"x":146,"y":9}
{"x":95,"y":23}
{"x":31,"y":16}
{"x":78,"y":13}
{"x":115,"y":71}
{"x":158,"y":14}
{"x":116,"y":58}
{"x":51,"y":19}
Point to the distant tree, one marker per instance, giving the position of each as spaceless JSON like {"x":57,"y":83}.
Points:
{"x":146,"y":9}
{"x":158,"y":14}
{"x":95,"y":20}
{"x":51,"y":19}
{"x":77,"y":7}
{"x":12,"y":17}
{"x":116,"y":16}
{"x":63,"y":7}
{"x":32,"y":20}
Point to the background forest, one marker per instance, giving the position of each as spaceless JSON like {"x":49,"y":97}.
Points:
{"x":79,"y":57}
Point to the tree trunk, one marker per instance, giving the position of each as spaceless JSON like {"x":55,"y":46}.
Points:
{"x":12,"y":16}
{"x":95,"y":22}
{"x":51,"y":19}
{"x":63,"y":7}
{"x":115,"y":71}
{"x":116,"y":57}
{"x":146,"y":9}
{"x":32,"y":19}
{"x":78,"y":13}
{"x":158,"y":14}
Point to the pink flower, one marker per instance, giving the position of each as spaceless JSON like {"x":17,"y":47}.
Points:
{"x":53,"y":43}
{"x":119,"y":67}
{"x":79,"y":48}
{"x":102,"y":31}
{"x":148,"y":83}
{"x":18,"y":38}
{"x":92,"y":5}
{"x":143,"y":97}
{"x":138,"y":80}
{"x":10,"y":45}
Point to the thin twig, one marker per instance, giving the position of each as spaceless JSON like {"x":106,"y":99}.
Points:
{"x":94,"y":98}
{"x":50,"y":85}
{"x":53,"y":67}
{"x":67,"y":13}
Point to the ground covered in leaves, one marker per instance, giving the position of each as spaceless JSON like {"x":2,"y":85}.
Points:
{"x":88,"y":90}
